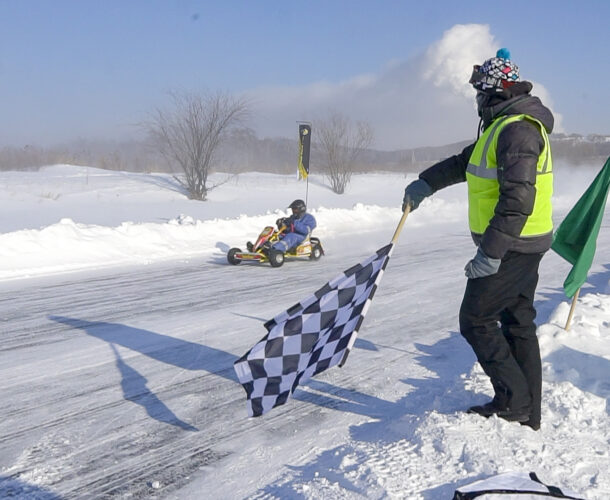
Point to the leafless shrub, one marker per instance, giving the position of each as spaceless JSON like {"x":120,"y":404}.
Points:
{"x":188,"y":135}
{"x":339,"y":143}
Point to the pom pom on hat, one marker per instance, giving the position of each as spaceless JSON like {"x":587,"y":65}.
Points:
{"x":503,"y":54}
{"x":495,"y":74}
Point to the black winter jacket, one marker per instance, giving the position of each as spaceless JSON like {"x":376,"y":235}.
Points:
{"x":519,"y":146}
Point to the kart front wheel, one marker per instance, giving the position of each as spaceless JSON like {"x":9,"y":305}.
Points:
{"x":231,"y":256}
{"x":276,"y":258}
{"x":316,"y":252}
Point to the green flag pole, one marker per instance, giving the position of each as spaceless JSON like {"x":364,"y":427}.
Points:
{"x":572,"y":307}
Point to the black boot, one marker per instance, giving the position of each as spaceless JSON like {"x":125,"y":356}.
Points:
{"x":486,"y":410}
{"x":521,"y":415}
{"x":532,"y":424}
{"x":265,"y":248}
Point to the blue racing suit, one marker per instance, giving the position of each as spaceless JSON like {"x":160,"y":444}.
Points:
{"x":298,"y":230}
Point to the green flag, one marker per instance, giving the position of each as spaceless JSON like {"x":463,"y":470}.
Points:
{"x":576,"y":236}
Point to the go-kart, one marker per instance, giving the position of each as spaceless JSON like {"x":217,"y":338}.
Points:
{"x":261,"y":250}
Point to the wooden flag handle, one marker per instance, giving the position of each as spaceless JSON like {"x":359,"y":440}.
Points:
{"x":574,"y":299}
{"x":400,"y":224}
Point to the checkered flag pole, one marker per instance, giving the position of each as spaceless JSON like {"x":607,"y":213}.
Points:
{"x":311,"y":336}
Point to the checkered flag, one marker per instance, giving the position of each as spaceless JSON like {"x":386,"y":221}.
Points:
{"x":311,"y":336}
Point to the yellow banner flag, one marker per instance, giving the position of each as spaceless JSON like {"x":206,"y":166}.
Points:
{"x":304,"y":147}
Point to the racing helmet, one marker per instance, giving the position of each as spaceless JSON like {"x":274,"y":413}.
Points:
{"x":298,"y":208}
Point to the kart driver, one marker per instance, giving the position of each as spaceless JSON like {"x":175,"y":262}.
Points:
{"x":298,"y":227}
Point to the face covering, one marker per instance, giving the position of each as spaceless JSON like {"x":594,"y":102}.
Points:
{"x":482,"y":100}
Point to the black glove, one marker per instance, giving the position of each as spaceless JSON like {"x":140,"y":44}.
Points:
{"x":415,"y":194}
{"x":281,"y":222}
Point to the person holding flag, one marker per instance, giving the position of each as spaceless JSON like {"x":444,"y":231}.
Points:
{"x":509,"y":173}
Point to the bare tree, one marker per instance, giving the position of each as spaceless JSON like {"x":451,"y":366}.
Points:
{"x":340,"y":142}
{"x":188,"y":136}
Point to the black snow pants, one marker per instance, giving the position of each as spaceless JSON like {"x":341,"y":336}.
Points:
{"x":497,"y":319}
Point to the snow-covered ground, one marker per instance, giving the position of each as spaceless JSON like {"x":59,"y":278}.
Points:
{"x":120,"y":321}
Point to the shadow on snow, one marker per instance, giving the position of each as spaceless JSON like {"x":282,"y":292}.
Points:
{"x":15,"y":488}
{"x":181,"y":353}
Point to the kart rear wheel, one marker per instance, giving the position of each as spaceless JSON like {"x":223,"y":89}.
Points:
{"x":276,"y":258}
{"x":231,"y":256}
{"x":316,"y":252}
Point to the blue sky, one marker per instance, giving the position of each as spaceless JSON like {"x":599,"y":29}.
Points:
{"x":95,"y":69}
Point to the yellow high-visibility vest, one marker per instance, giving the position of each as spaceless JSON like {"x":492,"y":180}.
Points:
{"x":484,"y":188}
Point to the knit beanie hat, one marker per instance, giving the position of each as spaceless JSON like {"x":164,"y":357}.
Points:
{"x":495,"y":74}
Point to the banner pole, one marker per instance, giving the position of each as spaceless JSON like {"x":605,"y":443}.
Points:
{"x":574,"y":299}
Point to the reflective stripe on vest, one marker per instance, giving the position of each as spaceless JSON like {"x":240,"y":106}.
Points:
{"x":484,"y":189}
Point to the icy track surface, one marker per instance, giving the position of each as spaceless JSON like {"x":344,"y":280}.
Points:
{"x":118,"y":382}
